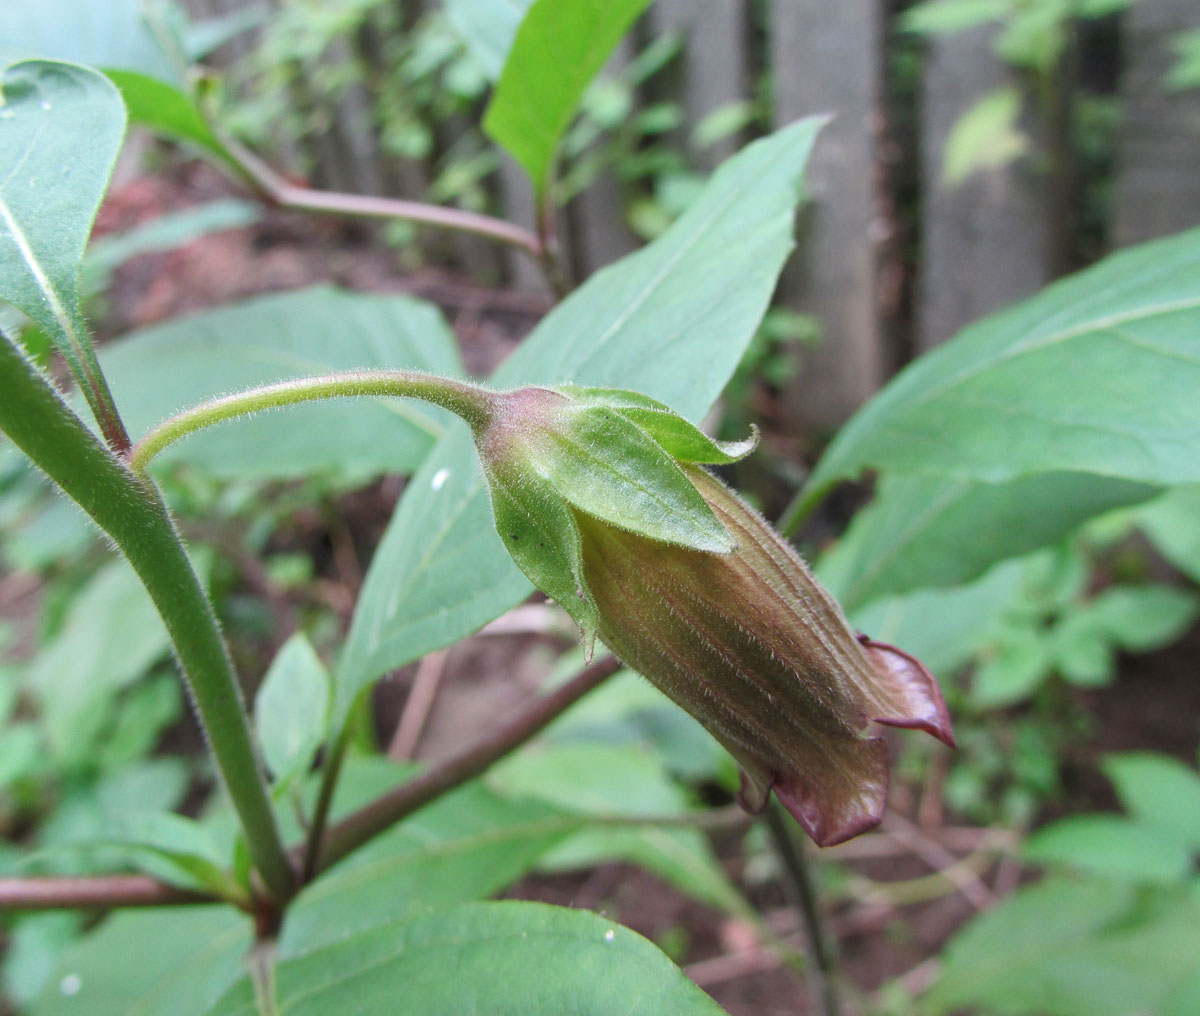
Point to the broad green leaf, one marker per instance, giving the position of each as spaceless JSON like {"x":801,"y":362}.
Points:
{"x":1065,"y":947}
{"x":291,"y":709}
{"x":173,"y":848}
{"x":112,"y":635}
{"x":62,"y":129}
{"x":488,"y":27}
{"x":608,"y":780}
{"x":1173,"y":524}
{"x":161,"y":962}
{"x":115,"y":33}
{"x":559,"y":47}
{"x":160,"y":370}
{"x":164,"y":109}
{"x":1098,"y":374}
{"x":504,"y":959}
{"x":466,"y":845}
{"x":1110,"y":845}
{"x":671,"y":320}
{"x":1159,"y":791}
{"x":923,"y":531}
{"x":35,"y":942}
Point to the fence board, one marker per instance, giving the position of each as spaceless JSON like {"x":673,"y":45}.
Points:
{"x":715,"y":62}
{"x":1158,"y":179}
{"x":826,"y":57}
{"x":986,"y":241}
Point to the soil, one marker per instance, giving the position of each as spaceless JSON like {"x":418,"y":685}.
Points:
{"x":1153,"y":705}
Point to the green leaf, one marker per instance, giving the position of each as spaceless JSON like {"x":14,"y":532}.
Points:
{"x":671,"y":320}
{"x":158,"y":371}
{"x":488,"y":27}
{"x":506,"y":959}
{"x":49,"y":197}
{"x":164,"y":962}
{"x":35,"y":943}
{"x":1019,"y":665}
{"x":1098,"y":374}
{"x":985,"y":136}
{"x":1141,"y":618}
{"x":173,"y":848}
{"x":467,"y":845}
{"x":1110,"y":845}
{"x":607,"y":466}
{"x":923,"y":531}
{"x":165,"y":109}
{"x":111,"y":637}
{"x":1172,"y":522}
{"x":943,"y":17}
{"x":1160,"y":792}
{"x":1065,"y":947}
{"x":539,"y":531}
{"x":291,"y":709}
{"x":112,"y":34}
{"x":559,"y":47}
{"x":607,"y":780}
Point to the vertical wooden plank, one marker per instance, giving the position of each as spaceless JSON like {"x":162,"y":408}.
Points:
{"x":598,"y":233}
{"x":1158,"y":176}
{"x":826,"y":58}
{"x":715,"y":62}
{"x":986,"y":241}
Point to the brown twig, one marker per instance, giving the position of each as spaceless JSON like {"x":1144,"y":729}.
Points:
{"x":381,"y":814}
{"x":276,"y":189}
{"x":418,"y":706}
{"x":58,"y":892}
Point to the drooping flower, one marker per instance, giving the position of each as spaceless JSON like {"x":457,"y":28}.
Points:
{"x":602,"y":500}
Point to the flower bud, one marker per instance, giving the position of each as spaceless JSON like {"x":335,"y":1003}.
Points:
{"x":600,"y":498}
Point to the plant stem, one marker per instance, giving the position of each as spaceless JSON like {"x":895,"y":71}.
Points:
{"x":823,"y":969}
{"x":274,"y":188}
{"x":61,"y":892}
{"x":130,"y":509}
{"x":471,"y":402}
{"x":384,"y":812}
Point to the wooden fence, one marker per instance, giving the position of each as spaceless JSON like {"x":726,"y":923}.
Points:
{"x":891,"y":259}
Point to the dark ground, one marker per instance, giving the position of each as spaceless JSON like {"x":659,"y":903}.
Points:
{"x":1154,"y":704}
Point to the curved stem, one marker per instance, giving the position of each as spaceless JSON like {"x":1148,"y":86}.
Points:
{"x":130,"y":509}
{"x":472,"y":402}
{"x":274,"y":188}
{"x":384,"y":812}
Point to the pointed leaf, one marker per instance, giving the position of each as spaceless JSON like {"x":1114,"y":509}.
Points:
{"x":49,"y":195}
{"x":1098,"y":373}
{"x":539,"y":531}
{"x":488,"y":27}
{"x":291,"y":709}
{"x":608,"y":467}
{"x":1159,"y":791}
{"x":559,"y":47}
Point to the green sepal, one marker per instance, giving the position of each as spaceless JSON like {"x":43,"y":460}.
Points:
{"x":539,"y":531}
{"x":609,"y":467}
{"x":680,"y":438}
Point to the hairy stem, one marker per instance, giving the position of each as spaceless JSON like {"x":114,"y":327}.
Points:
{"x":130,"y":509}
{"x":471,"y":402}
{"x":384,"y":812}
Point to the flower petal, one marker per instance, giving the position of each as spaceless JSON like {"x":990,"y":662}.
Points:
{"x":906,"y":694}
